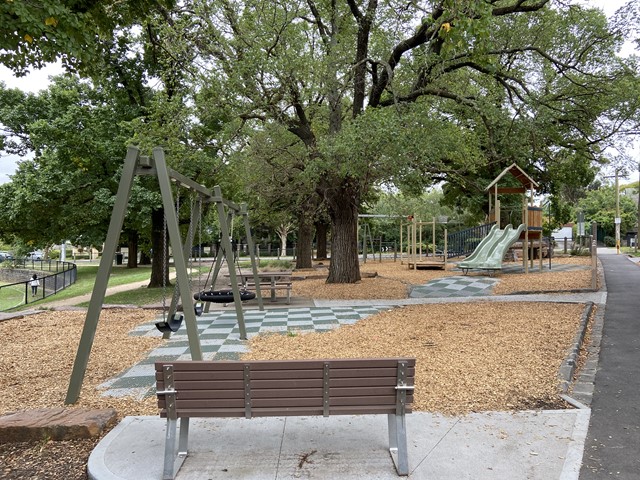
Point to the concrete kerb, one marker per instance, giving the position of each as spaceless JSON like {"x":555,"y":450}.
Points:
{"x":570,"y":363}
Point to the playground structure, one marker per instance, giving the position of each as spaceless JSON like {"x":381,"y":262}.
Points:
{"x":156,"y":166}
{"x":490,"y":252}
{"x":417,"y":258}
{"x":367,"y":240}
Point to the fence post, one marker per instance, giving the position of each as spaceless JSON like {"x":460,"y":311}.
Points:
{"x":594,"y":265}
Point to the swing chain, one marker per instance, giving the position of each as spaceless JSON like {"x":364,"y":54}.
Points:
{"x":164,"y":268}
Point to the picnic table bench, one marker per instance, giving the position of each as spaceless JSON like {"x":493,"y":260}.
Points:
{"x":263,"y":388}
{"x":271,"y":281}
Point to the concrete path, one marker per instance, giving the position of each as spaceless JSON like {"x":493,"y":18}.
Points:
{"x":540,"y":445}
{"x":612,"y":449}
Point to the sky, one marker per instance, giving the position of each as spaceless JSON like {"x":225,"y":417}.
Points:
{"x":39,"y":79}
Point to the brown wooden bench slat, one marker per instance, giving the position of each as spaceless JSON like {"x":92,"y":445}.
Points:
{"x":379,"y":392}
{"x":309,"y":381}
{"x":343,"y":375}
{"x":274,"y":402}
{"x":259,"y":365}
{"x":210,"y":384}
{"x":272,"y":388}
{"x":286,"y":412}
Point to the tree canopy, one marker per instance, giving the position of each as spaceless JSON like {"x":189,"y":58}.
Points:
{"x":36,"y":33}
{"x":332,"y":100}
{"x":413,"y":93}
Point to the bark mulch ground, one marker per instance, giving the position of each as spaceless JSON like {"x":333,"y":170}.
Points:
{"x":470,"y":357}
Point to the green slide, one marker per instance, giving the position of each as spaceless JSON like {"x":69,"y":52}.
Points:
{"x":489,"y":253}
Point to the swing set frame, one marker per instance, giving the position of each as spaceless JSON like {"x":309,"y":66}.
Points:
{"x":156,"y":165}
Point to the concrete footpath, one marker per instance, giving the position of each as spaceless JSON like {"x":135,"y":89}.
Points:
{"x":532,"y":445}
{"x":488,"y":446}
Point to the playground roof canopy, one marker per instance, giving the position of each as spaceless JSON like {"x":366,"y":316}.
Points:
{"x":525,"y":180}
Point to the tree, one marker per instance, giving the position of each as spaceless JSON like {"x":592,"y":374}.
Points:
{"x":358,"y":83}
{"x":599,"y":206}
{"x":281,"y":197}
{"x":72,"y":129}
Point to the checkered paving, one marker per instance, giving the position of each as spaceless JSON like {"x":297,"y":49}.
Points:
{"x":475,"y":285}
{"x":220,"y":336}
{"x":456,"y":286}
{"x":220,"y":339}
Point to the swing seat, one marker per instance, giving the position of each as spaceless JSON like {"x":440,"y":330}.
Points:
{"x":221,"y":296}
{"x":170,"y":325}
{"x":197,"y":309}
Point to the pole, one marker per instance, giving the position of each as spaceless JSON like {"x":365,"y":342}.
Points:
{"x":638,"y":224}
{"x":617,"y":219}
{"x":102,"y":278}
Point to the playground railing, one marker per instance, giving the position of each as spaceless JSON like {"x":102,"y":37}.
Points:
{"x":465,"y":241}
{"x":59,"y":276}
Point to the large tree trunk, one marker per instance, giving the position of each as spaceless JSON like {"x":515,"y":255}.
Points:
{"x":145,"y":259}
{"x":321,"y":240}
{"x":132,"y":244}
{"x":304,"y":251}
{"x":343,"y":210}
{"x":160,"y":254}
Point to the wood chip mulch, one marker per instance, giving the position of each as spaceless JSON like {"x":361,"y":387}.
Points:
{"x":470,"y":357}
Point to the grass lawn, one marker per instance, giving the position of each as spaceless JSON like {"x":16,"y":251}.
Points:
{"x":11,"y":296}
{"x":138,"y":297}
{"x":120,"y":275}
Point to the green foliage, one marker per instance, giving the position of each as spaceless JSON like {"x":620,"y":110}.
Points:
{"x":600,"y":206}
{"x":275,"y":264}
{"x":304,"y":108}
{"x":74,"y":175}
{"x":35,"y":33}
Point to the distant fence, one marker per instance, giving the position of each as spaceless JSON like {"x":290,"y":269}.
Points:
{"x":53,"y":275}
{"x":465,"y":242}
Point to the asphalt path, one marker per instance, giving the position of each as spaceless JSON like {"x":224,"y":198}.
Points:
{"x":612,"y":448}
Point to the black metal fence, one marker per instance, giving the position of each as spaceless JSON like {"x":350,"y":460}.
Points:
{"x":53,"y":277}
{"x":465,"y":242}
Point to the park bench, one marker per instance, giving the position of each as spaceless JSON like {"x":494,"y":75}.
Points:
{"x":272,"y":288}
{"x":268,"y":281}
{"x":195,"y":389}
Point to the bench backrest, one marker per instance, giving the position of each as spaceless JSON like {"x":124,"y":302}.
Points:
{"x":284,"y":387}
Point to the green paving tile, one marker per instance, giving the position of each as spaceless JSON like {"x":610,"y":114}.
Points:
{"x":209,"y":348}
{"x":213,"y":336}
{"x":274,"y":323}
{"x":133,"y":382}
{"x":178,"y":343}
{"x":158,"y":358}
{"x":227,"y":356}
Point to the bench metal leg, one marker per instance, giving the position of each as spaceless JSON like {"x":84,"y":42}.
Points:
{"x":175,"y":454}
{"x":398,"y":443}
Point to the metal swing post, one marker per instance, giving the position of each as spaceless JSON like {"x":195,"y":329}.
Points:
{"x":226,"y":245}
{"x":102,"y":277}
{"x":182,"y":276}
{"x":250,"y":245}
{"x":188,"y":243}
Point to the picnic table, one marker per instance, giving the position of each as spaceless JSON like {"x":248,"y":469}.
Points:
{"x":274,"y":280}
